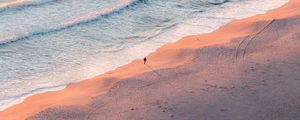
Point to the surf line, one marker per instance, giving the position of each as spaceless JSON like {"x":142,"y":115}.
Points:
{"x":68,"y":24}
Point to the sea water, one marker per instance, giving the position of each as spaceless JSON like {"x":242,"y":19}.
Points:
{"x":47,"y":44}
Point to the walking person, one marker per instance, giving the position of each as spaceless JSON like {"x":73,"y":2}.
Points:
{"x":145,"y":60}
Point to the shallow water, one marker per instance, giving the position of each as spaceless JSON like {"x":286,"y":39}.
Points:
{"x":47,"y":44}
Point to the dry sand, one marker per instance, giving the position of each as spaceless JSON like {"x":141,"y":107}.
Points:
{"x":247,"y":70}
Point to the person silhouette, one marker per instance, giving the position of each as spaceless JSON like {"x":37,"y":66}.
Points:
{"x":145,"y":60}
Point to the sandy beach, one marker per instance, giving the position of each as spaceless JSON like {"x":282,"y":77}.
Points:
{"x":246,"y":70}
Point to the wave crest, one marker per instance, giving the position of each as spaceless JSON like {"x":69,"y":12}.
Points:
{"x":94,"y":16}
{"x":22,"y":4}
{"x":217,"y":2}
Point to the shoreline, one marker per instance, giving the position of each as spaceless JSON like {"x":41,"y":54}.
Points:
{"x":184,"y":45}
{"x":40,"y":91}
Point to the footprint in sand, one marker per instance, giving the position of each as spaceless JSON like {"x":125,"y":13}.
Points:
{"x":253,"y":69}
{"x":224,"y":110}
{"x":264,"y":83}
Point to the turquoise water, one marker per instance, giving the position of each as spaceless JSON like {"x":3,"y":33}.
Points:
{"x":47,"y":44}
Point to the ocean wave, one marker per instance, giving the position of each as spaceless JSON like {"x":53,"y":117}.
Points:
{"x":217,"y":2}
{"x":91,"y":17}
{"x":22,"y":4}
